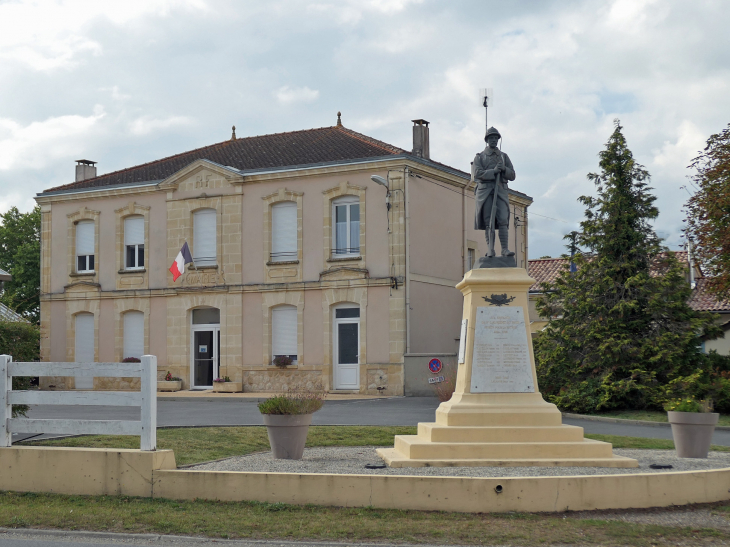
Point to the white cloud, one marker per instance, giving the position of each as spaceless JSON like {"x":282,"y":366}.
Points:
{"x":147,"y":124}
{"x":291,"y":95}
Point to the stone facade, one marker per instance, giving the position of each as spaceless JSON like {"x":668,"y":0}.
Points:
{"x":245,"y":286}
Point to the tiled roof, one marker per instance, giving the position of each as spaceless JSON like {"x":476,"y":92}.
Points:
{"x":311,"y":146}
{"x":546,"y":270}
{"x":704,"y":300}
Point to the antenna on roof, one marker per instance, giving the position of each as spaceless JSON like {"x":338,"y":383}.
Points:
{"x":339,"y":119}
{"x":233,"y":134}
{"x":486,"y":97}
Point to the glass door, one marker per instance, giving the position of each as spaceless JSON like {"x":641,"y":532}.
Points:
{"x":206,"y":358}
{"x":347,"y":348}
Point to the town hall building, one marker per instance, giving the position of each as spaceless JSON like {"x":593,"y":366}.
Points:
{"x":324,"y":245}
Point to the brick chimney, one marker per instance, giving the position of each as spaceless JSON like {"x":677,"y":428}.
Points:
{"x":421,"y":146}
{"x":85,"y":169}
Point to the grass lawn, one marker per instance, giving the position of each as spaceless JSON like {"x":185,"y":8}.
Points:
{"x":650,"y":416}
{"x":202,"y":444}
{"x":279,"y":521}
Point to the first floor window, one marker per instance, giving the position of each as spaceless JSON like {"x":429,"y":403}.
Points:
{"x":346,"y":229}
{"x":134,"y":243}
{"x":284,"y":332}
{"x":133,"y":334}
{"x":470,"y":259}
{"x":205,"y":241}
{"x":85,"y":246}
{"x":284,"y":232}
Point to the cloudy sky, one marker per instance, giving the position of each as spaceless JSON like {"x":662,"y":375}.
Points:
{"x":126,"y":82}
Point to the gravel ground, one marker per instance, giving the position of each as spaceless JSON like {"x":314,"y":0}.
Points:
{"x":352,"y":460}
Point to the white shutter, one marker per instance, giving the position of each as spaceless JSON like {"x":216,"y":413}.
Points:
{"x":134,"y":231}
{"x":85,"y":238}
{"x":284,"y":331}
{"x":284,"y":227}
{"x":133,"y":334}
{"x":84,"y":350}
{"x":204,"y":237}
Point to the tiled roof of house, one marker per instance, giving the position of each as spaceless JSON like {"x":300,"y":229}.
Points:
{"x":546,"y":270}
{"x":310,"y":146}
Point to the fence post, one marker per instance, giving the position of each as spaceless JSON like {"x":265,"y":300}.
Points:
{"x":148,"y":387}
{"x":6,"y":409}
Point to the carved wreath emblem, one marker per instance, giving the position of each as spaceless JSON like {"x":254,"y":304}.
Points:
{"x":499,"y":299}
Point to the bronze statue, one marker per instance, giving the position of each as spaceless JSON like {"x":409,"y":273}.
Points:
{"x":492,"y":169}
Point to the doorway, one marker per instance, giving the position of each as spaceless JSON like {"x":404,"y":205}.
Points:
{"x":205,"y":337}
{"x":346,"y":347}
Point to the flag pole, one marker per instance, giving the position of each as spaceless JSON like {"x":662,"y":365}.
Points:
{"x":191,"y":256}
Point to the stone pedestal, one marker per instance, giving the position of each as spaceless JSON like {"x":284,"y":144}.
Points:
{"x":497,"y":416}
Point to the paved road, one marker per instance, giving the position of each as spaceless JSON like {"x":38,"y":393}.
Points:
{"x":385,"y":411}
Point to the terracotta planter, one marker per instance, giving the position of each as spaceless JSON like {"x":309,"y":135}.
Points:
{"x":227,"y":387}
{"x":692,"y":432}
{"x":174,"y":385}
{"x":287,"y":434}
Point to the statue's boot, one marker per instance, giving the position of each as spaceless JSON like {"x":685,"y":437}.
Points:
{"x":503,"y":240}
{"x":490,"y":253}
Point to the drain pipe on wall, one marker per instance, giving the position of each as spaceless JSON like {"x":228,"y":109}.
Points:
{"x":408,"y":260}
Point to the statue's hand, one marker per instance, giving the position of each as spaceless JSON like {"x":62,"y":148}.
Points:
{"x":498,"y":169}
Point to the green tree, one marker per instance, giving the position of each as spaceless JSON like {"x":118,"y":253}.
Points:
{"x":20,"y":255}
{"x":708,"y":222}
{"x":622,"y":331}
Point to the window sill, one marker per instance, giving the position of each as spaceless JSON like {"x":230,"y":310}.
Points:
{"x":82,"y":274}
{"x":132,"y":271}
{"x":282,"y":263}
{"x":207,"y":267}
{"x":344,"y":259}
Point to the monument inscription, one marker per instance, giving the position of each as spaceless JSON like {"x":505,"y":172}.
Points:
{"x":501,"y":357}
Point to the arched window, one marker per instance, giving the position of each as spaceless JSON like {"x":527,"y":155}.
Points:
{"x":133,"y":334}
{"x":134,"y":243}
{"x":205,"y":241}
{"x":284,"y":332}
{"x":284,"y":232}
{"x":346,"y":226}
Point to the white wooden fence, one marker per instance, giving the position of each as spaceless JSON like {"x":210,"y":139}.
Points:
{"x":146,"y":399}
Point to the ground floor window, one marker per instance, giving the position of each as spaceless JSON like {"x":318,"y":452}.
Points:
{"x":284,"y":332}
{"x":133,"y":345}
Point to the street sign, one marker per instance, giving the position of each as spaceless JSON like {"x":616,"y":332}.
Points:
{"x":435,"y":379}
{"x":435,"y":365}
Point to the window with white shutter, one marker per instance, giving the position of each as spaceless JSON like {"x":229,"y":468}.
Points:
{"x":346,"y":226}
{"x":84,"y":343}
{"x":134,"y":243}
{"x":205,"y":242}
{"x":85,"y":246}
{"x":284,"y":332}
{"x":133,"y":334}
{"x":284,"y":232}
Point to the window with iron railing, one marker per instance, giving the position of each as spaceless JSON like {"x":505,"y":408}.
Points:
{"x":205,"y":239}
{"x":284,"y":232}
{"x":346,"y":227}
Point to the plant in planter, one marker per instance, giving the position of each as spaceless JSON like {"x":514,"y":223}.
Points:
{"x":282,"y":361}
{"x":131,"y":360}
{"x":693,"y":424}
{"x":170,"y":383}
{"x":225,"y":385}
{"x":287,"y":418}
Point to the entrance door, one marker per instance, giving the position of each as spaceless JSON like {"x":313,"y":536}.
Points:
{"x":206,"y":361}
{"x":346,"y":338}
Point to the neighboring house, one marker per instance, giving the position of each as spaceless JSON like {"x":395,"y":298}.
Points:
{"x":546,"y":270}
{"x":297,"y":252}
{"x":6,"y":314}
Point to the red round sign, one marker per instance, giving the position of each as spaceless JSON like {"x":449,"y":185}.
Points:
{"x":434,"y":365}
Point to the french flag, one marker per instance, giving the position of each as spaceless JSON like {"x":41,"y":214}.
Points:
{"x":183,"y":257}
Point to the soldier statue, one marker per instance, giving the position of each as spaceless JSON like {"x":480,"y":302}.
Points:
{"x":492,"y":169}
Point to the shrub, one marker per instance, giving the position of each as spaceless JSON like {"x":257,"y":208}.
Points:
{"x":282,"y":361}
{"x":22,"y":341}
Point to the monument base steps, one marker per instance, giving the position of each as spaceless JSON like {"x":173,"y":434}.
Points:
{"x":497,"y":417}
{"x":395,"y":459}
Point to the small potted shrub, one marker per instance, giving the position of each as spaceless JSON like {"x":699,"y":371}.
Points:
{"x":170,"y":383}
{"x":693,"y":424}
{"x":287,"y":418}
{"x":225,"y":385}
{"x":282,"y":361}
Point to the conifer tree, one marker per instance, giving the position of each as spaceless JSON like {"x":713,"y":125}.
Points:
{"x":621,"y":329}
